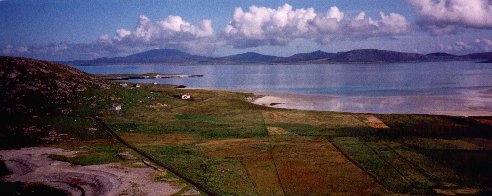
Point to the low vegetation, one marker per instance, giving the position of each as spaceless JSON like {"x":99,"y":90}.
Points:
{"x":230,"y":146}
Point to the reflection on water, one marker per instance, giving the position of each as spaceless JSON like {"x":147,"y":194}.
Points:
{"x":382,"y":88}
{"x":481,"y":105}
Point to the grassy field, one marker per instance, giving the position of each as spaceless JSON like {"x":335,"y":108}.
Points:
{"x":233,"y":147}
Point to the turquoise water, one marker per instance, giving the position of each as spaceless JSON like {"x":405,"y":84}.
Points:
{"x":466,"y":81}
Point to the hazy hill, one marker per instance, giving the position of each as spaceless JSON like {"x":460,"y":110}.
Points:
{"x":316,"y":55}
{"x":151,"y":56}
{"x":251,"y":57}
{"x":479,"y":56}
{"x":171,"y":56}
{"x":372,"y":55}
{"x":442,"y":54}
{"x":159,"y":55}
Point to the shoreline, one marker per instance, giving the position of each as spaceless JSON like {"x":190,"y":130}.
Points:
{"x":144,"y":76}
{"x":446,"y":106}
{"x":480,"y":105}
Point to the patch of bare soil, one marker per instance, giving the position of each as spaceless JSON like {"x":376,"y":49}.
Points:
{"x":374,"y":122}
{"x":485,"y":121}
{"x":276,"y":131}
{"x":32,"y":165}
{"x":463,"y":191}
{"x":483,"y":143}
{"x":268,"y":100}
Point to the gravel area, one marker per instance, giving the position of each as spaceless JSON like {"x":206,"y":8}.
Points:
{"x":32,"y":165}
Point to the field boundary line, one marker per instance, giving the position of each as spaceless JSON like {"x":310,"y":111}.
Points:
{"x":271,"y":155}
{"x":422,"y":170}
{"x":391,"y":165}
{"x":275,"y":165}
{"x":249,"y":176}
{"x":151,"y":158}
{"x":357,"y":164}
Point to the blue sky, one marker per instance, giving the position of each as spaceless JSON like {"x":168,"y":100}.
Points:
{"x":63,"y":30}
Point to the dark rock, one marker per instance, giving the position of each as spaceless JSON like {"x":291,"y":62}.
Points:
{"x":204,"y":166}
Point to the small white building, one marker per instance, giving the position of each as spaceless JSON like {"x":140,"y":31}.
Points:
{"x":155,"y":83}
{"x":115,"y":107}
{"x":124,"y":85}
{"x":136,"y":85}
{"x":185,"y":96}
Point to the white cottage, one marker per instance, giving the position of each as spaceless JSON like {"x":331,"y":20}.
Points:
{"x":115,"y":107}
{"x":185,"y":96}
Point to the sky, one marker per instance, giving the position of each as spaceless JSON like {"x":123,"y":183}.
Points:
{"x":69,"y":30}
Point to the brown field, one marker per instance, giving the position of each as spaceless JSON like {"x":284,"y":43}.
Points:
{"x":315,"y":166}
{"x":232,"y":147}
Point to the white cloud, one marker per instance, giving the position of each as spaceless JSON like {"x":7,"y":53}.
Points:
{"x":172,"y":32}
{"x":364,"y":26}
{"x":256,"y":26}
{"x":483,"y":44}
{"x":444,"y":16}
{"x":7,"y":49}
{"x":122,"y":33}
{"x":267,"y":26}
{"x":477,"y":45}
{"x":262,"y":25}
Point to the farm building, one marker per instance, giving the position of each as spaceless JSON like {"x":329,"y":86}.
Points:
{"x":115,"y":107}
{"x":124,"y":85}
{"x":136,"y":85}
{"x":185,"y":96}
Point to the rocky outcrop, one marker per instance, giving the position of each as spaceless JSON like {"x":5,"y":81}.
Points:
{"x":30,"y":86}
{"x":33,"y":89}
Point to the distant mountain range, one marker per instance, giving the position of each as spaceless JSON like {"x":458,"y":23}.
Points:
{"x":172,"y":56}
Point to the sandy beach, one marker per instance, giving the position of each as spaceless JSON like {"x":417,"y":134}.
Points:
{"x":479,"y":105}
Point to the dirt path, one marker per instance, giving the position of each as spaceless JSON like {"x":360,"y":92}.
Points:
{"x":32,"y":165}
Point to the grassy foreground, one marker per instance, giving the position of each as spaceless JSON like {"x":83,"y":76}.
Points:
{"x":231,"y":146}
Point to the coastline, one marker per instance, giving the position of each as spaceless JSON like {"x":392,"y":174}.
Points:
{"x":446,"y":106}
{"x":480,"y":105}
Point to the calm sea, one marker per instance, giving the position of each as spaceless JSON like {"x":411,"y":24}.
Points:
{"x":432,"y":86}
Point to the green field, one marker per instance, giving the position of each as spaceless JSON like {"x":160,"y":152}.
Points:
{"x":233,"y":147}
